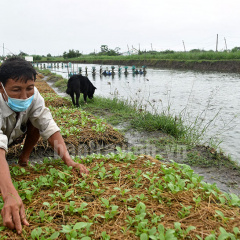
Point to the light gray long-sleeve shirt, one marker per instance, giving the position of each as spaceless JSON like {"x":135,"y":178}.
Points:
{"x":37,"y":113}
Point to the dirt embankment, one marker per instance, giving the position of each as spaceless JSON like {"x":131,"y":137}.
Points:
{"x":220,"y":66}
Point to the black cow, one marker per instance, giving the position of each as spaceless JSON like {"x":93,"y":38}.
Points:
{"x":79,"y":84}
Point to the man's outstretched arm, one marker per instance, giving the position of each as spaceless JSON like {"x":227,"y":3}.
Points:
{"x":13,"y":212}
{"x":59,"y":146}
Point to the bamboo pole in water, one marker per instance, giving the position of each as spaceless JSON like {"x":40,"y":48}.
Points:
{"x":225,"y":43}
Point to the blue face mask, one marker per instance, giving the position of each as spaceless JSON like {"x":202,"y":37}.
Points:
{"x":18,"y":105}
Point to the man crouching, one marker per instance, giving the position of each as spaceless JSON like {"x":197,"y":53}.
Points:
{"x":23,"y":111}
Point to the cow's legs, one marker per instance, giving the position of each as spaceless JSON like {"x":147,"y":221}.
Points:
{"x":77,"y":99}
{"x":85,"y":97}
{"x":73,"y":100}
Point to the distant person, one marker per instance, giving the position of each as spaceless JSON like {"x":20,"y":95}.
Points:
{"x":23,"y":112}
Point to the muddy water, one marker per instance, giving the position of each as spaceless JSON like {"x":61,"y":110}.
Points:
{"x":211,"y":98}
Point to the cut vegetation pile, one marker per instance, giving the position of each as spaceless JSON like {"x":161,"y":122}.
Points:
{"x":123,"y":197}
{"x":81,"y":131}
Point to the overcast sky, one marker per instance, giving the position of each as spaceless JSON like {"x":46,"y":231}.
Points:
{"x":54,"y":26}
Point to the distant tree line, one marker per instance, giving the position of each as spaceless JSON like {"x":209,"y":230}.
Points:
{"x":106,"y":51}
{"x":71,"y":54}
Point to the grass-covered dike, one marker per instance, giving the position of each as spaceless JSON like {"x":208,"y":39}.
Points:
{"x":226,"y":61}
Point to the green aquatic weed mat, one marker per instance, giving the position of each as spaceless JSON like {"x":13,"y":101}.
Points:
{"x":124,"y":197}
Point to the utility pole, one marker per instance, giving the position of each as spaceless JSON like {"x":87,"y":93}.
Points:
{"x":128,"y":49}
{"x":3,"y":50}
{"x":217,"y":44}
{"x":151,"y":47}
{"x":225,"y":43}
{"x":184,"y":46}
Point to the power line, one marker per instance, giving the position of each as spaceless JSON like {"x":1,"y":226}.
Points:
{"x":4,"y":48}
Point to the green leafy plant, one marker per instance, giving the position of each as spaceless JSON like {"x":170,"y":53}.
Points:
{"x":184,"y":212}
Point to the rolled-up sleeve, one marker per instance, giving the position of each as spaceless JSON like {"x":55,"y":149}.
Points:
{"x":41,"y":117}
{"x":3,"y":137}
{"x":3,"y":141}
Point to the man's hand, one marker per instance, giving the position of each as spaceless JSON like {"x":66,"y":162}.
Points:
{"x":13,"y":213}
{"x":81,"y":167}
{"x":59,"y":146}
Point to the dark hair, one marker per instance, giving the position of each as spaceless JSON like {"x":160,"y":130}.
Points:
{"x":17,"y":68}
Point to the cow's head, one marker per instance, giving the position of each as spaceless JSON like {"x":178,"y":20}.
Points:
{"x":91,"y":92}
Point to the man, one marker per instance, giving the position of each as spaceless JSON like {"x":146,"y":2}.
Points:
{"x":23,"y":111}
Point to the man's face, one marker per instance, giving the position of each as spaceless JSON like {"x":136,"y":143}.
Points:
{"x":18,"y":89}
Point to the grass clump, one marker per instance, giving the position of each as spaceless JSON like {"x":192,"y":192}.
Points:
{"x":61,"y":84}
{"x":118,"y":111}
{"x":45,"y":72}
{"x":165,"y":123}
